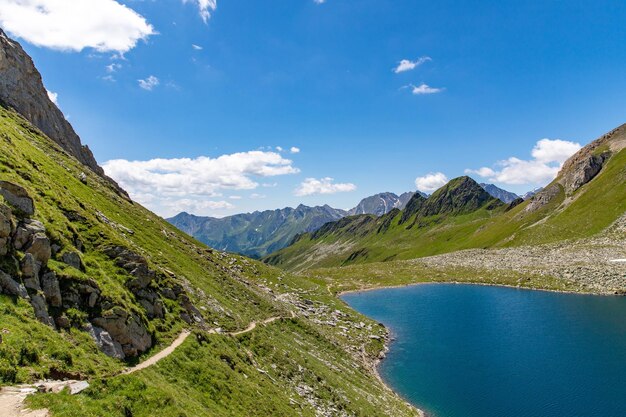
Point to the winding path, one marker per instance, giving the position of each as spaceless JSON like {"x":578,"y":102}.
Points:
{"x":12,"y":398}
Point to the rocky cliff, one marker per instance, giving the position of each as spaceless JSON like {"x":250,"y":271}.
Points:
{"x":21,"y":87}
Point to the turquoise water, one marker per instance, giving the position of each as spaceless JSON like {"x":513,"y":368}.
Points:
{"x":468,"y":350}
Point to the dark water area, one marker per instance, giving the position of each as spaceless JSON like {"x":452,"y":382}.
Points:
{"x":469,"y":350}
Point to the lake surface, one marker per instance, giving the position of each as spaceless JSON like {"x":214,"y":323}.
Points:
{"x":469,"y":350}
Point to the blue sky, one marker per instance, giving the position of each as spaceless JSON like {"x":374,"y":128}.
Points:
{"x":500,"y":77}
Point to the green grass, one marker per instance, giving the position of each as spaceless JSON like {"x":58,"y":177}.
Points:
{"x":588,"y":212}
{"x":254,"y":374}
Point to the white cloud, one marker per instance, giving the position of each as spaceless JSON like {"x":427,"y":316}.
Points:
{"x":149,"y":83}
{"x":294,"y":149}
{"x":53,"y":97}
{"x":423,"y":89}
{"x":279,"y":148}
{"x":159,"y":183}
{"x":196,"y":47}
{"x":113,"y":67}
{"x":205,"y":7}
{"x":235,"y":197}
{"x":408,"y":65}
{"x":319,"y":1}
{"x":325,"y":185}
{"x":556,"y":150}
{"x":431,"y":182}
{"x":256,"y":196}
{"x":548,"y":157}
{"x":104,"y":25}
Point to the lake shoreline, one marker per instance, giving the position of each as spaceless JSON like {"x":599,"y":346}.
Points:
{"x":375,"y":364}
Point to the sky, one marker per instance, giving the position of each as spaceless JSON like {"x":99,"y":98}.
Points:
{"x":217,"y":107}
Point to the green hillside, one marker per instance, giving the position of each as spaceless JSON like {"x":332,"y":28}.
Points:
{"x":586,"y":198}
{"x":114,"y":264}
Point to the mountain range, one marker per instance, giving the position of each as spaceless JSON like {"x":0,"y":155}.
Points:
{"x":263,"y":232}
{"x":586,"y":197}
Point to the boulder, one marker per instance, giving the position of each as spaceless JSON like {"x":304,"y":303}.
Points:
{"x":30,"y":266}
{"x":40,"y":248}
{"x":143,"y":277}
{"x":104,"y":342}
{"x":73,"y":260}
{"x":126,"y":329}
{"x":51,"y":289}
{"x":63,"y":322}
{"x":18,"y":197}
{"x":11,"y":287}
{"x":25,"y":231}
{"x":93,"y":299}
{"x":6,"y":224}
{"x":41,"y":309}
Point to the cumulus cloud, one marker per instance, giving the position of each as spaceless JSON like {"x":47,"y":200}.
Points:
{"x":325,"y":185}
{"x":431,"y":182}
{"x":547,"y":158}
{"x":104,"y":25}
{"x":423,"y":89}
{"x":294,"y":149}
{"x":408,"y":65}
{"x":205,"y":7}
{"x":159,"y":183}
{"x":53,"y":97}
{"x":149,"y":83}
{"x":319,"y":1}
{"x":196,"y":47}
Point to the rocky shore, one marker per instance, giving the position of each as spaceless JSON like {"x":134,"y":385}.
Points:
{"x":591,"y":265}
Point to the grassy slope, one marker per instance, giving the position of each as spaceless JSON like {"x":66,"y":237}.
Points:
{"x":255,"y":374}
{"x":594,"y":207}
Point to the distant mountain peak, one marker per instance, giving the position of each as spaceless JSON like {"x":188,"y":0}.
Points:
{"x":497,"y":192}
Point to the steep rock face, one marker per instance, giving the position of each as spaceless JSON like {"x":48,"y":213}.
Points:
{"x":21,"y":87}
{"x":582,"y":167}
{"x":382,"y":203}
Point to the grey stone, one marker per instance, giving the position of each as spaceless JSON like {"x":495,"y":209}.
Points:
{"x":41,"y":309}
{"x":4,"y":246}
{"x":18,"y":197}
{"x":143,"y":277}
{"x":6,"y":224}
{"x":581,"y":169}
{"x":40,"y":248}
{"x":9,"y":286}
{"x":104,"y":342}
{"x":93,"y":299}
{"x":29,"y":266}
{"x":25,"y":231}
{"x":51,"y":289}
{"x":73,"y":260}
{"x":126,"y":329}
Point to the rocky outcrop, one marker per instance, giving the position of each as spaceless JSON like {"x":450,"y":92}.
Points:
{"x":582,"y":167}
{"x":21,"y":87}
{"x":17,"y":197}
{"x":544,"y":197}
{"x":126,"y":329}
